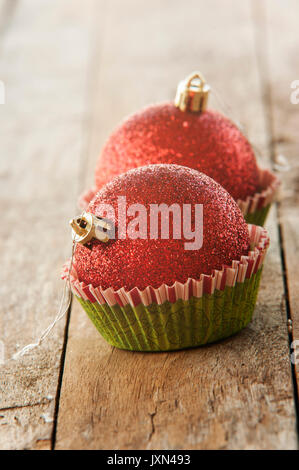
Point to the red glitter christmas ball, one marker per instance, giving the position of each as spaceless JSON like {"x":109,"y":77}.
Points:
{"x":139,"y":262}
{"x":207,"y":142}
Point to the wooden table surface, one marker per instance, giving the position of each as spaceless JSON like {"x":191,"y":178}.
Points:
{"x":72,"y":71}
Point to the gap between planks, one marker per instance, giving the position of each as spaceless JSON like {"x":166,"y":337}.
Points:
{"x":44,"y":110}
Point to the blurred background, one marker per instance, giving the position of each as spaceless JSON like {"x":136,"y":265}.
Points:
{"x":69,"y":72}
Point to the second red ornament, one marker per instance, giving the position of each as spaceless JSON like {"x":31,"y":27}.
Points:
{"x":187,"y":133}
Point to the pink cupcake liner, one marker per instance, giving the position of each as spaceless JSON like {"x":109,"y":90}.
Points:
{"x":269,"y":184}
{"x":238,"y":272}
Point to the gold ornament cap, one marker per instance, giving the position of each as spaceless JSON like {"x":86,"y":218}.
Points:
{"x":192,"y":93}
{"x":87,"y":226}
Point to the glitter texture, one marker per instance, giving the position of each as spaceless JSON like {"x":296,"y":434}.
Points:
{"x":207,"y":142}
{"x":139,"y":263}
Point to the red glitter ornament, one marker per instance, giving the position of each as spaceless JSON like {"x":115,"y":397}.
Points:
{"x":128,"y":263}
{"x":204,"y":140}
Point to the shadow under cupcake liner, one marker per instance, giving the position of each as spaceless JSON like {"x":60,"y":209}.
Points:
{"x":179,"y":325}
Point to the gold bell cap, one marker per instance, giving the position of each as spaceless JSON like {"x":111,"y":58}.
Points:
{"x":192,"y":93}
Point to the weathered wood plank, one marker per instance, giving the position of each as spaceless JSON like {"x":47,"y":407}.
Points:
{"x":282,"y":72}
{"x":43,"y":60}
{"x":238,"y":393}
{"x":278,"y":71}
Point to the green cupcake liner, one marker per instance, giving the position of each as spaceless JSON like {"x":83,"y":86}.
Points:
{"x":258,"y":217}
{"x":179,"y":325}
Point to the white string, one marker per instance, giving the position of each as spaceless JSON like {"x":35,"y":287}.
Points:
{"x":67,"y":294}
{"x":281,"y":163}
{"x":228,"y":111}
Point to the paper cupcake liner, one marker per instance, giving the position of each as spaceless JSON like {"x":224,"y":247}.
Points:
{"x":255,"y":208}
{"x":178,"y":316}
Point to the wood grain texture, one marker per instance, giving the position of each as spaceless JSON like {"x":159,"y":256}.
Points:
{"x":43,"y":61}
{"x":236,"y":394}
{"x":282,"y":71}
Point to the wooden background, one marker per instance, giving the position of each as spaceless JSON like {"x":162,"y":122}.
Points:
{"x":72,"y":70}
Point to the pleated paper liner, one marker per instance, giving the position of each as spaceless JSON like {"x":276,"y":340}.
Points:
{"x":255,"y":208}
{"x":182,"y":315}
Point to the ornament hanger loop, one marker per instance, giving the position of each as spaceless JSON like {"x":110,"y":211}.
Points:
{"x":87,"y":226}
{"x":192,"y":93}
{"x":198,"y":78}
